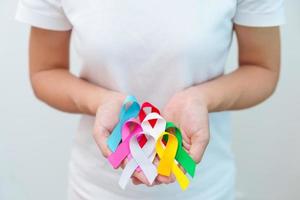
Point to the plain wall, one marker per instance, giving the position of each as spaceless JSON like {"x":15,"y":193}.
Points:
{"x":35,"y":140}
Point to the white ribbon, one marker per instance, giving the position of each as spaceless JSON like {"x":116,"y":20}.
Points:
{"x":159,"y":127}
{"x":140,"y":157}
{"x":155,"y":131}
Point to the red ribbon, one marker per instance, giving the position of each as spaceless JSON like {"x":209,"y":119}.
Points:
{"x":143,"y":114}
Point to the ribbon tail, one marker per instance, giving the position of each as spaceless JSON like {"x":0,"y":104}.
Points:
{"x":181,"y":177}
{"x":150,"y":172}
{"x":115,"y":138}
{"x":164,"y":167}
{"x":120,"y":154}
{"x":127,"y":173}
{"x":145,"y":163}
{"x":187,"y":162}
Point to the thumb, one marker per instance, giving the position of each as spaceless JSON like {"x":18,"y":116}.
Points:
{"x":100,"y":135}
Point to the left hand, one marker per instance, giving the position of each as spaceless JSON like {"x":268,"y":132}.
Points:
{"x":188,"y":111}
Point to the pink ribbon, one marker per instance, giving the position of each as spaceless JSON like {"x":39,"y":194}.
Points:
{"x":129,"y":129}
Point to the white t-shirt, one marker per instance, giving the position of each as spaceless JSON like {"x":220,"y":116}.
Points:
{"x":151,"y":49}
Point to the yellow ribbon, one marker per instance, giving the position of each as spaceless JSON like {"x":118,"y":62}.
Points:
{"x":167,"y":163}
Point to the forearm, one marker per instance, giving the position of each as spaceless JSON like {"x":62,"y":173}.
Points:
{"x":243,"y":88}
{"x":50,"y":77}
{"x":61,"y":90}
{"x":256,"y":78}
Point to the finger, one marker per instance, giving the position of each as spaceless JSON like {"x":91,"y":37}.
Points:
{"x":106,"y":118}
{"x":136,"y":181}
{"x":160,"y":179}
{"x":172,"y":178}
{"x":198,"y":146}
{"x":165,"y":179}
{"x":138,"y":177}
{"x":186,"y":145}
{"x":186,"y":141}
{"x":182,"y":169}
{"x":156,"y":182}
{"x":124,"y":163}
{"x":141,"y":177}
{"x":101,"y":134}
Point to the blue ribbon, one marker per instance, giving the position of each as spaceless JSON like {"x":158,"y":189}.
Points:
{"x":130,"y":109}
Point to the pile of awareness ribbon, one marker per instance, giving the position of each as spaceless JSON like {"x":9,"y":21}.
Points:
{"x":140,"y":137}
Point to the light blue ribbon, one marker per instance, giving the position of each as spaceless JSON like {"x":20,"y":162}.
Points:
{"x":130,"y":109}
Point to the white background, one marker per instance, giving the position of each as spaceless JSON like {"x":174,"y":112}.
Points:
{"x":35,"y":139}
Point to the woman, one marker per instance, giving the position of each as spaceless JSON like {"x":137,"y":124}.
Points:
{"x":171,"y":53}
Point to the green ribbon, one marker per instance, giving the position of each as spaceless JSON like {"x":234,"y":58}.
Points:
{"x":183,"y":158}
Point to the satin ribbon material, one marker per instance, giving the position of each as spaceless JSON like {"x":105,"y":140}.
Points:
{"x":167,"y":164}
{"x":143,"y":113}
{"x":130,"y":128}
{"x":140,"y":142}
{"x":130,"y":109}
{"x":141,"y":157}
{"x":183,"y":158}
{"x":159,"y":126}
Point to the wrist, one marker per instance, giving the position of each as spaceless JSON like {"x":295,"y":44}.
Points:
{"x":202,"y":96}
{"x":103,"y":96}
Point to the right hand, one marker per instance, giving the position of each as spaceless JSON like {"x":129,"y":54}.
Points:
{"x":107,"y":117}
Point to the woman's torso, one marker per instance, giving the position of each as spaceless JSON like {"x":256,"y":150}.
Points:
{"x":151,"y":49}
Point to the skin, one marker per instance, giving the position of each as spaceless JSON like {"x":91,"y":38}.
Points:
{"x":253,"y":82}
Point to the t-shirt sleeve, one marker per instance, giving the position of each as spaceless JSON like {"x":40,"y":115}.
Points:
{"x":259,"y":13}
{"x":47,"y":14}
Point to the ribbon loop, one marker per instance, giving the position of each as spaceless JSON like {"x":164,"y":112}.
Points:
{"x":130,"y":128}
{"x":143,"y":113}
{"x":130,"y":109}
{"x":140,"y":142}
{"x":166,"y":153}
{"x":183,"y":158}
{"x":155,"y":130}
{"x":159,"y":126}
{"x":167,"y":164}
{"x":140,"y":158}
